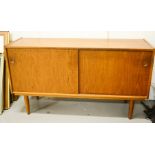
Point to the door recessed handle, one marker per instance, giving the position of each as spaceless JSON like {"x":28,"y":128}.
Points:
{"x":12,"y":61}
{"x":146,"y":65}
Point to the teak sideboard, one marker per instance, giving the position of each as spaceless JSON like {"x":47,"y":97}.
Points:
{"x":80,"y":68}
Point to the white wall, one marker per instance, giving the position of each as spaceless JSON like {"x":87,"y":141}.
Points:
{"x":148,"y":35}
{"x":1,"y":44}
{"x":57,"y":34}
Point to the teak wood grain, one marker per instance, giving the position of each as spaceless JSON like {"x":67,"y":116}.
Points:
{"x":83,"y":96}
{"x":114,"y":73}
{"x":81,"y":68}
{"x":80,"y":43}
{"x":44,"y":70}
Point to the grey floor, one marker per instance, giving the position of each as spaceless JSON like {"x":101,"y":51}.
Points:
{"x":47,"y":110}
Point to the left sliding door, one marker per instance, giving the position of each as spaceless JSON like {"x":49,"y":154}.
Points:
{"x":43,"y":70}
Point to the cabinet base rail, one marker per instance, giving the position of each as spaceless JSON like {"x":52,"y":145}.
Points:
{"x":130,"y":111}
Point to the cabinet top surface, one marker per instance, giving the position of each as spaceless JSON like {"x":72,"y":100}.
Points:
{"x":80,"y":43}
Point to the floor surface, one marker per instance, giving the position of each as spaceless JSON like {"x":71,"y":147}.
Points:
{"x":46,"y":110}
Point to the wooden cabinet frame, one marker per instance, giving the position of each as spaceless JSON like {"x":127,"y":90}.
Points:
{"x":129,"y":46}
{"x":6,"y":96}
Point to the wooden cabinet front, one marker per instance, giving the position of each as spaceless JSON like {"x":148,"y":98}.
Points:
{"x":115,"y":72}
{"x":43,"y":70}
{"x":80,"y":68}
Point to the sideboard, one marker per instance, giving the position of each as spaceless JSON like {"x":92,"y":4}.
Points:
{"x":116,"y":69}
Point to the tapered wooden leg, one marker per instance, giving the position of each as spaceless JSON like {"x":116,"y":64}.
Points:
{"x":131,"y":108}
{"x":7,"y":99}
{"x":27,"y":105}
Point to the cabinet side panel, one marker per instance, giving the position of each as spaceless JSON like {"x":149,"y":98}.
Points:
{"x":115,"y":72}
{"x":44,"y":70}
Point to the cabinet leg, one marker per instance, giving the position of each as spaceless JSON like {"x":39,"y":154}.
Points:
{"x":131,"y":108}
{"x":27,"y":105}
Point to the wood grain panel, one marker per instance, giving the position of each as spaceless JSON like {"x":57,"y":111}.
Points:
{"x":80,"y":43}
{"x":114,"y":72}
{"x":44,"y":70}
{"x":83,"y":96}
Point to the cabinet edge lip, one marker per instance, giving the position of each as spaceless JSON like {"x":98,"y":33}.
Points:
{"x":82,"y":96}
{"x":77,"y":48}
